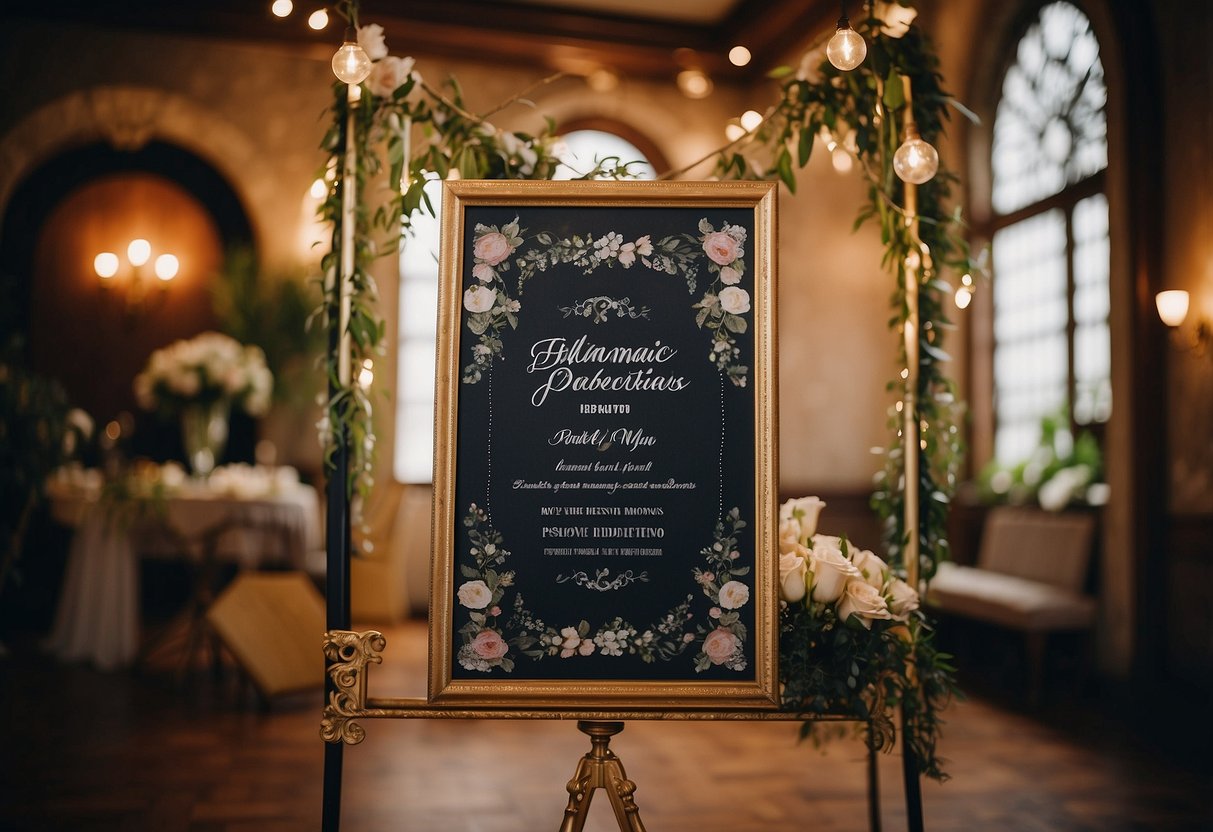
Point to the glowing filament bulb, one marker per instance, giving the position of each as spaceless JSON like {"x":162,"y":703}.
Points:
{"x":351,"y":64}
{"x":847,"y":49}
{"x":915,"y":161}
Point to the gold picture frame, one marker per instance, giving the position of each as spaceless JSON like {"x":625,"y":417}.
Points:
{"x":606,"y":398}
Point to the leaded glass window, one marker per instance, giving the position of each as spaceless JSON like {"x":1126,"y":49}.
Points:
{"x":1050,"y":240}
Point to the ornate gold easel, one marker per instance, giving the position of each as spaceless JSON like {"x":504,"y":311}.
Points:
{"x":601,"y":769}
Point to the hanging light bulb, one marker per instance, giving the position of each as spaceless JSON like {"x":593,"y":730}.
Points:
{"x":847,"y":49}
{"x":915,"y":161}
{"x":351,"y":64}
{"x":964,"y":296}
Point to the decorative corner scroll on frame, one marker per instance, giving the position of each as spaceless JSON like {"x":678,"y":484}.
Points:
{"x":348,"y":654}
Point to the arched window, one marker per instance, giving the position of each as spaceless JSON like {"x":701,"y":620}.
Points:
{"x":1050,"y":234}
{"x":418,"y":311}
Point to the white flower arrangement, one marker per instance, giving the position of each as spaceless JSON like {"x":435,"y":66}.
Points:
{"x":826,"y":570}
{"x":208,"y":368}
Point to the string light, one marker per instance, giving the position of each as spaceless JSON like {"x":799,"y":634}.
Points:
{"x":739,"y":55}
{"x":916,"y":161}
{"x":964,"y":296}
{"x":318,"y":19}
{"x":351,"y":64}
{"x":282,"y":8}
{"x":750,"y":119}
{"x":166,"y":266}
{"x":847,"y":49}
{"x":694,"y":83}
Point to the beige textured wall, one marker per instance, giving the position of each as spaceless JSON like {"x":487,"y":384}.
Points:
{"x":253,"y":112}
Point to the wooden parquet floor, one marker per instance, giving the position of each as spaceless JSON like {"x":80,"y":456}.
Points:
{"x":85,"y":750}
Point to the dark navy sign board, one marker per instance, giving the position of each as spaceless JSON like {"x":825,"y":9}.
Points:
{"x":604,"y":471}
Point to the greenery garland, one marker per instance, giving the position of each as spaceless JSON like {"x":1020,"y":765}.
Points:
{"x":859,"y":110}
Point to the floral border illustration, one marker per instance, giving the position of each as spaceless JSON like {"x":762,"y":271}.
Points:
{"x":491,"y":307}
{"x":491,"y":640}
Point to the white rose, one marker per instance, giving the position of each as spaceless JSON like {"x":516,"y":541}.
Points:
{"x":734,"y":300}
{"x":729,"y":275}
{"x":479,"y":299}
{"x":804,"y":512}
{"x":861,"y":599}
{"x":370,"y":38}
{"x":870,"y":566}
{"x":475,"y":595}
{"x":831,"y":571}
{"x":810,"y":66}
{"x":483,"y":272}
{"x":569,"y":642}
{"x":733,"y":595}
{"x":903,"y":600}
{"x":789,"y":535}
{"x":792,"y":572}
{"x":388,"y":75}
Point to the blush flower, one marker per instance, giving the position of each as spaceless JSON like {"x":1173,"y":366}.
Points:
{"x":720,"y":645}
{"x":489,"y":644}
{"x":721,"y":248}
{"x":492,"y":247}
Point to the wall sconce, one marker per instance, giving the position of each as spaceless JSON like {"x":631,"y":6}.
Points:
{"x":108,"y":267}
{"x":1173,"y":310}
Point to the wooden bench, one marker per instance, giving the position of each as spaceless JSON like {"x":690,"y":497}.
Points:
{"x":1030,"y":576}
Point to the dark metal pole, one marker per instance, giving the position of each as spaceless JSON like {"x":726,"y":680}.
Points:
{"x":913,"y":785}
{"x":337,"y":495}
{"x":873,"y":784}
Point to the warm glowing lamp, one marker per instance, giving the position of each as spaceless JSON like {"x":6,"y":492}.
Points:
{"x":1172,"y":306}
{"x":750,"y":119}
{"x":166,"y":267}
{"x":351,"y":64}
{"x":105,"y":265}
{"x":694,"y":83}
{"x":282,"y":8}
{"x":847,"y":49}
{"x":138,"y":252}
{"x":318,"y":19}
{"x":739,"y":55}
{"x":916,"y":160}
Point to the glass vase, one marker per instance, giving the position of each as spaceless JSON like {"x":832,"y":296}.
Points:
{"x":204,"y":434}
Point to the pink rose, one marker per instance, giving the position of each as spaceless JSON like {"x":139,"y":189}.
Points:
{"x":489,"y":644}
{"x":720,"y":248}
{"x":492,"y":248}
{"x":483,"y":272}
{"x":720,"y":645}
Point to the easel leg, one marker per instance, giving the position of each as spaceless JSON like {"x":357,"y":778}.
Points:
{"x":601,"y":769}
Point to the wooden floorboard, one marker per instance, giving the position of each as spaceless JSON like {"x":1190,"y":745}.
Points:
{"x":122,"y":751}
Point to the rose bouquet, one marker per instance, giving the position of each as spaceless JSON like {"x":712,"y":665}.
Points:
{"x":853,"y":641}
{"x":207,"y":369}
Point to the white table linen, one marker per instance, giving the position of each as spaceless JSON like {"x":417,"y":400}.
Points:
{"x":229,"y":519}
